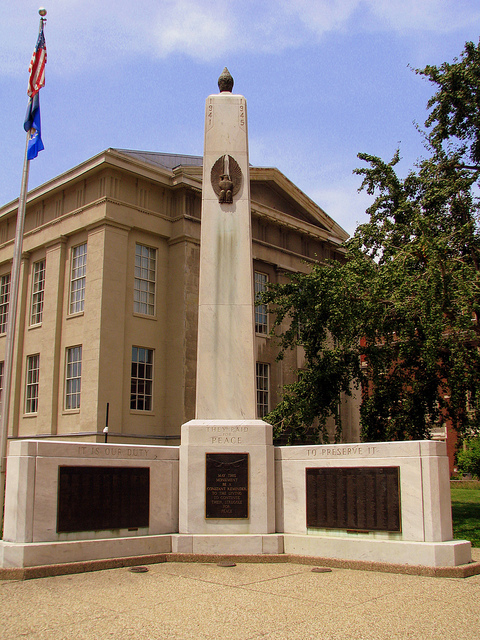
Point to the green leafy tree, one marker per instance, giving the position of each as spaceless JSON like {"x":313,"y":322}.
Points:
{"x":398,"y":318}
{"x":469,"y":458}
{"x":455,"y":116}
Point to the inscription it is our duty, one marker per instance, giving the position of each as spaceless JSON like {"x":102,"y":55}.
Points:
{"x":112,"y":452}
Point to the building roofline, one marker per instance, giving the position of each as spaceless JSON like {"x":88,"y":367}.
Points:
{"x":109,"y":156}
{"x":189,"y":173}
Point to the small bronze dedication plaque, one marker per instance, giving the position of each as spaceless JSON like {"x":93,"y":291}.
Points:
{"x":226,"y":494}
{"x":354,"y":498}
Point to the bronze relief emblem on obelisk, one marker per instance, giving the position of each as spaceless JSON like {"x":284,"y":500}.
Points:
{"x":226,"y":177}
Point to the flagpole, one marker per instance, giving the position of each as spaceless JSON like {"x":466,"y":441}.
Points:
{"x":12,"y":317}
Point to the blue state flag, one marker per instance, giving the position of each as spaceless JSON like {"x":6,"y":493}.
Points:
{"x":32,"y":123}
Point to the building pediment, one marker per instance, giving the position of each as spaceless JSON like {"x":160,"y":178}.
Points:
{"x":271,"y":189}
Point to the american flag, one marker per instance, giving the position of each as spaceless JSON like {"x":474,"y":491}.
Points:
{"x":37,"y":66}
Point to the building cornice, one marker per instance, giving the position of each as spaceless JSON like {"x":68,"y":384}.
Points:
{"x":282,"y":250}
{"x":284,"y":220}
{"x":190,"y":176}
{"x":106,"y":159}
{"x":273,"y":175}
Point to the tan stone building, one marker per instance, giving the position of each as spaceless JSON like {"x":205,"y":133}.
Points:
{"x":109,"y":294}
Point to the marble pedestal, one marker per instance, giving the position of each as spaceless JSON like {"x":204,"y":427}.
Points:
{"x":252,"y":437}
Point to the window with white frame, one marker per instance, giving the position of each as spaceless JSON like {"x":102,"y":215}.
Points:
{"x":263,"y":383}
{"x":73,"y":377}
{"x":4,"y":300}
{"x":77,"y":278}
{"x":38,"y":291}
{"x":145,"y":276}
{"x":31,"y":386}
{"x":141,"y":389}
{"x":261,"y":313}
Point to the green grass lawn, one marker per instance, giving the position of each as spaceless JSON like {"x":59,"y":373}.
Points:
{"x":466,"y":511}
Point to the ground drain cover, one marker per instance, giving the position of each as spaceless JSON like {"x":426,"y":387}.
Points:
{"x":226,"y":563}
{"x":138,"y":569}
{"x":321,"y":570}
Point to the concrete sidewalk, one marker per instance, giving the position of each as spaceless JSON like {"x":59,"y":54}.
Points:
{"x":180,"y":601}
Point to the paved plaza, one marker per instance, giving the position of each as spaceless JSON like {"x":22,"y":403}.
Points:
{"x":180,"y":601}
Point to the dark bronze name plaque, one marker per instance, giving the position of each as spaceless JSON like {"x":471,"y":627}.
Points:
{"x":96,"y":498}
{"x":226,"y":494}
{"x":354,"y":498}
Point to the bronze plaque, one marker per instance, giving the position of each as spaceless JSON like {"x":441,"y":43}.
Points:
{"x":354,"y":498}
{"x":97,"y":498}
{"x":226,"y":494}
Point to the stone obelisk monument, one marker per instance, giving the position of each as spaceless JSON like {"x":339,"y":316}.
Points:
{"x":225,"y":355}
{"x":226,"y":454}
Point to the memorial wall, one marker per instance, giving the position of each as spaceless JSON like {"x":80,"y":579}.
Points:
{"x":386,"y":502}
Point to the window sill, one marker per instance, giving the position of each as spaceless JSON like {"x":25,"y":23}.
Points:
{"x":75,"y":315}
{"x":145,"y":316}
{"x":34,"y":326}
{"x":68,"y":412}
{"x":142,"y":412}
{"x":30,"y":415}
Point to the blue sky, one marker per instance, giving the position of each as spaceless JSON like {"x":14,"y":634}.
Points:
{"x":324,"y":80}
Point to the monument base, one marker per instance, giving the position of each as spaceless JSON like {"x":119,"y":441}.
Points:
{"x":428,"y":554}
{"x":35,"y":554}
{"x":453,"y":553}
{"x":228,"y":544}
{"x":227,"y":478}
{"x":228,"y":465}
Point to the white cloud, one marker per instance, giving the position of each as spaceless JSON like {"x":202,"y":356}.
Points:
{"x":202,"y":29}
{"x":321,"y":16}
{"x":93,"y":31}
{"x":440,"y":16}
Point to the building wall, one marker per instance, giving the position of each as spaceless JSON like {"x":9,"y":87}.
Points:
{"x":112,"y":208}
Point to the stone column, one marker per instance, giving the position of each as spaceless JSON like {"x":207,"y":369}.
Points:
{"x":225,"y":356}
{"x":226,"y":456}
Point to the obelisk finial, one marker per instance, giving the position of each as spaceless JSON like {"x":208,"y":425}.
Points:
{"x":225,"y":81}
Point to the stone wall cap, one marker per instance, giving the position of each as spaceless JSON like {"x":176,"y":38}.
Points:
{"x":91,"y":450}
{"x":362,"y":450}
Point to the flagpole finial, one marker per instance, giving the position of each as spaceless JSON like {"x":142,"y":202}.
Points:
{"x":42,"y":12}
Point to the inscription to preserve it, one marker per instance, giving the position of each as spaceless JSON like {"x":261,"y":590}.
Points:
{"x":354,"y":498}
{"x":97,"y":498}
{"x":354,"y":450}
{"x":226,"y":494}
